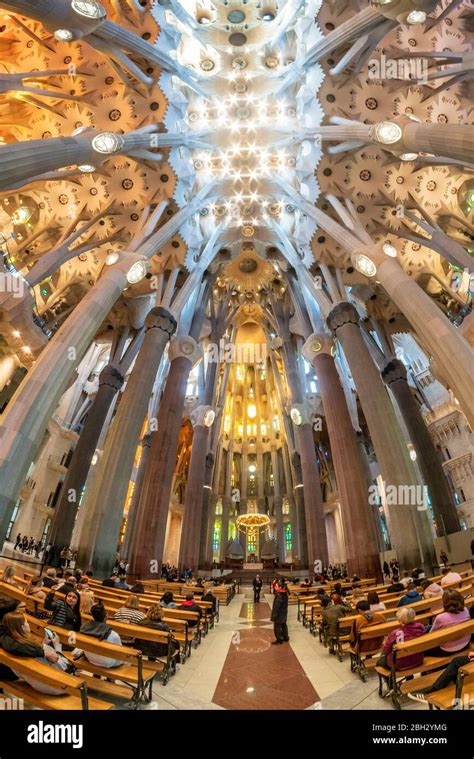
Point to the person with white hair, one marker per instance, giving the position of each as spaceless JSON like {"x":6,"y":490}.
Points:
{"x":408,"y":630}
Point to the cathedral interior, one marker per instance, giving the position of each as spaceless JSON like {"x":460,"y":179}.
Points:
{"x":236,"y":286}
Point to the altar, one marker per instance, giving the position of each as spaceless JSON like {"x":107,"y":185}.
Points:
{"x":254,"y":565}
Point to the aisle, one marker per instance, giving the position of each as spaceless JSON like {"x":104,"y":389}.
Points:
{"x":258,"y":675}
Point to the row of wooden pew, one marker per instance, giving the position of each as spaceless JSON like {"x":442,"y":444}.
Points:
{"x":400,"y":683}
{"x":132,"y":681}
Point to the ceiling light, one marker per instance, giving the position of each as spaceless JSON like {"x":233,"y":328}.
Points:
{"x":112,"y":258}
{"x":387,"y":132}
{"x":108,"y":143}
{"x":86,"y":168}
{"x":389,"y":250}
{"x":252,"y":468}
{"x":21,"y":216}
{"x":416,"y":17}
{"x":88,"y":8}
{"x":137,"y":272}
{"x":409,"y":156}
{"x":209,"y":417}
{"x":296,"y":416}
{"x":364,"y":265}
{"x":63,"y":35}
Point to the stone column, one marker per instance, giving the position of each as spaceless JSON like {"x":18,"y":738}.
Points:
{"x":110,"y":382}
{"x":278,"y":505}
{"x":454,"y":141}
{"x":149,"y":539}
{"x":313,"y":504}
{"x":105,"y":505}
{"x":24,"y":422}
{"x":359,"y":532}
{"x":410,"y":529}
{"x":202,"y":419}
{"x":447,"y":521}
{"x":134,"y":511}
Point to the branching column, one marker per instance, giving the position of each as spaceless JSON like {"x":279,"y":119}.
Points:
{"x":410,"y":532}
{"x":149,"y":539}
{"x":359,"y":532}
{"x":98,"y":542}
{"x":395,"y":377}
{"x":24,"y":422}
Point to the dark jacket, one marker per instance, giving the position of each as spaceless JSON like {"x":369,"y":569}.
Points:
{"x":108,"y":583}
{"x":397,"y":587}
{"x":49,"y":582}
{"x":257,"y":583}
{"x":151,"y":647}
{"x":63,"y":615}
{"x":212,"y":599}
{"x":191,"y":606}
{"x":98,"y":630}
{"x":331,"y":615}
{"x":410,"y":598}
{"x":15,"y":647}
{"x":280,"y":607}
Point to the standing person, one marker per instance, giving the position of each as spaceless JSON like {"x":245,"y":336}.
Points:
{"x":444,"y":558}
{"x":280,"y":613}
{"x":47,"y":553}
{"x":17,"y":541}
{"x":31,"y":545}
{"x":386,"y":570}
{"x":257,"y":588}
{"x":24,"y":544}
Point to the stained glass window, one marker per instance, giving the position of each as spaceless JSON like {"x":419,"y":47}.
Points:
{"x":288,"y":537}
{"x":216,"y":540}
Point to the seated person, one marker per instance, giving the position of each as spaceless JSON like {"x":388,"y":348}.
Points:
{"x":137,"y":588}
{"x":7,"y":605}
{"x":35,"y":588}
{"x":110,"y":582}
{"x":66,"y":609}
{"x":167,"y":600}
{"x":210,"y":597}
{"x":357,"y":596}
{"x":50,"y":580}
{"x":449,"y":576}
{"x":408,"y":630}
{"x":375,"y":604}
{"x":321,"y":594}
{"x":454,"y":614}
{"x":18,"y":640}
{"x":87,"y":597}
{"x":101,"y":631}
{"x":121,"y":584}
{"x":330,"y":616}
{"x":366,"y":618}
{"x":410,"y":596}
{"x":151,"y":648}
{"x":130,"y":612}
{"x":190,"y":605}
{"x":68,"y":583}
{"x":9,"y":576}
{"x":446,"y":678}
{"x":431,"y":589}
{"x":338,"y":594}
{"x":396,"y":586}
{"x":406,"y":579}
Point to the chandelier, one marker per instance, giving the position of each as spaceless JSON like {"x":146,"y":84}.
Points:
{"x":252,"y":521}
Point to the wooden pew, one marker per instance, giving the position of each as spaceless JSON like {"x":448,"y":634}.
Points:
{"x":131,"y":672}
{"x":74,"y":694}
{"x":459,"y":696}
{"x":395,"y":679}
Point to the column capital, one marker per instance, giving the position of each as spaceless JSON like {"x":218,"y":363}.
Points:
{"x":203,"y":416}
{"x":111,"y":377}
{"x":393,"y":370}
{"x":343,"y":313}
{"x":161,"y":318}
{"x":317,"y":343}
{"x":184,"y":346}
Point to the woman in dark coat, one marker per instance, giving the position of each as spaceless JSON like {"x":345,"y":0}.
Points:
{"x":280,"y":613}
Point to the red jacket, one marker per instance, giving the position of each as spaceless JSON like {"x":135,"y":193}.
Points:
{"x":402,"y":635}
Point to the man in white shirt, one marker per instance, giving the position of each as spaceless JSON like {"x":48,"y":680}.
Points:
{"x":449,"y":576}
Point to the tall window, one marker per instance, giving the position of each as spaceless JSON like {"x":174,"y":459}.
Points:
{"x":216,"y":540}
{"x":251,"y":540}
{"x":288,"y":537}
{"x":12,"y":522}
